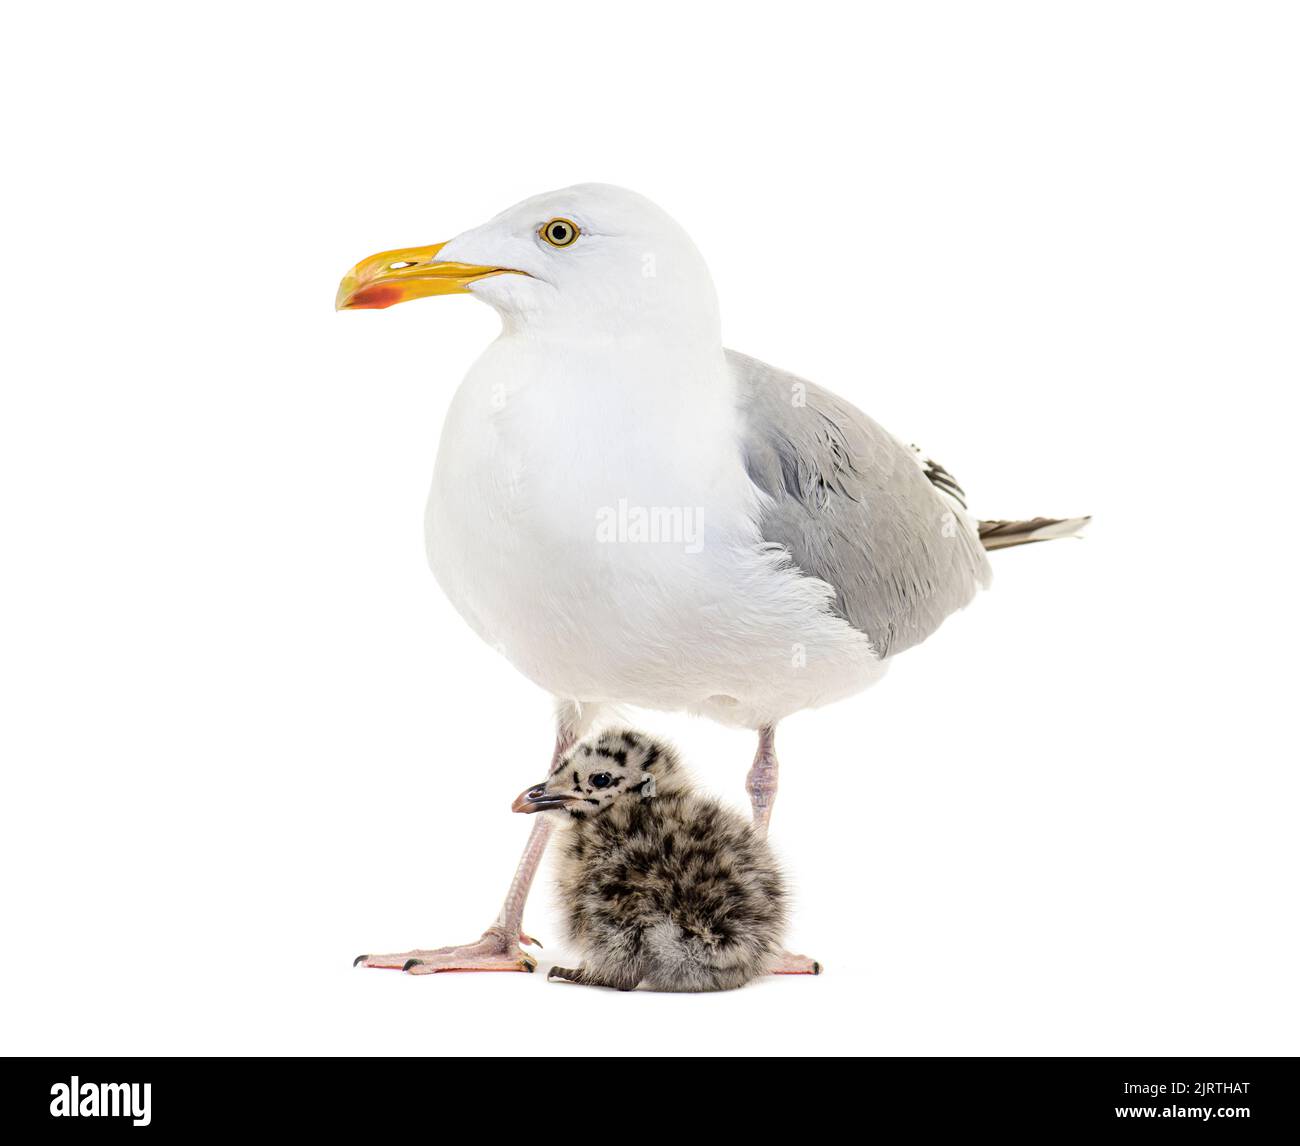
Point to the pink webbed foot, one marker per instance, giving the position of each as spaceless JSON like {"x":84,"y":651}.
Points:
{"x":791,"y":964}
{"x":493,"y":951}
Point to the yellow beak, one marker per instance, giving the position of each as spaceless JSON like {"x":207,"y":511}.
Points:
{"x":399,"y":276}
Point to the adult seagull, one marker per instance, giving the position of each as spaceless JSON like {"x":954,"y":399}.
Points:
{"x":632,"y":514}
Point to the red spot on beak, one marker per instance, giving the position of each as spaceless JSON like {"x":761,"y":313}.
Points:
{"x":375,"y":297}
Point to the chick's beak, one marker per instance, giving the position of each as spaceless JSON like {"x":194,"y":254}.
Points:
{"x":538,"y":799}
{"x":399,"y":276}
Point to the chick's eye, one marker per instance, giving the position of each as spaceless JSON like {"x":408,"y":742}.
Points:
{"x":601,"y":780}
{"x":559,"y":232}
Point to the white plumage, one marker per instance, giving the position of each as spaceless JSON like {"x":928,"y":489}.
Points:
{"x":581,"y":404}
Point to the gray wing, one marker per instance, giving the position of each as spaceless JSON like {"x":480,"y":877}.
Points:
{"x":856,"y":508}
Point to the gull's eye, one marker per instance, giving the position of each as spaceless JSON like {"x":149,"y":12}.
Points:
{"x":559,"y":232}
{"x":601,"y":780}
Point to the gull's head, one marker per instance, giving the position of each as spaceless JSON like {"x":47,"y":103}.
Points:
{"x":591,"y":259}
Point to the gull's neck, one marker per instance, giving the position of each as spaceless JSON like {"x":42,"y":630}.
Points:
{"x":663,"y":383}
{"x":636,"y":326}
{"x":640,"y":359}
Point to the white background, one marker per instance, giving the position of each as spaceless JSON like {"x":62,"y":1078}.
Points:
{"x":245,"y":737}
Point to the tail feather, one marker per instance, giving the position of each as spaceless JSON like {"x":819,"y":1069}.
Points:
{"x":1004,"y":534}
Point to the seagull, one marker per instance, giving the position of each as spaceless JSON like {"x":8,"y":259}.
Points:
{"x":633,"y":515}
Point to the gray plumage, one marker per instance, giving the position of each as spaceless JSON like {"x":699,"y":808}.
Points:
{"x":883,"y":525}
{"x":854,"y":507}
{"x":660,"y":885}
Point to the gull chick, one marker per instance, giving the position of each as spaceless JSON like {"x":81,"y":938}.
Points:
{"x":661,"y":885}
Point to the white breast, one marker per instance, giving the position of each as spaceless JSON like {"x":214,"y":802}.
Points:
{"x":591,"y":517}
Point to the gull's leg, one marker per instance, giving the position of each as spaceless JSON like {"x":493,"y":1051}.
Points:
{"x":497,"y":949}
{"x":791,"y":964}
{"x":761,"y":785}
{"x":761,"y":781}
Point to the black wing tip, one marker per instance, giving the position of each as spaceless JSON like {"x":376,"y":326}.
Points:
{"x":941,"y":479}
{"x":1001,"y":534}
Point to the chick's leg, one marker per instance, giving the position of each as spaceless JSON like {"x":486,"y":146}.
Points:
{"x":588,"y":978}
{"x":498,"y":948}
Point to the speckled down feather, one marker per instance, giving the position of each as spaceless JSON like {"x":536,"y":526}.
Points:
{"x":671,"y":890}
